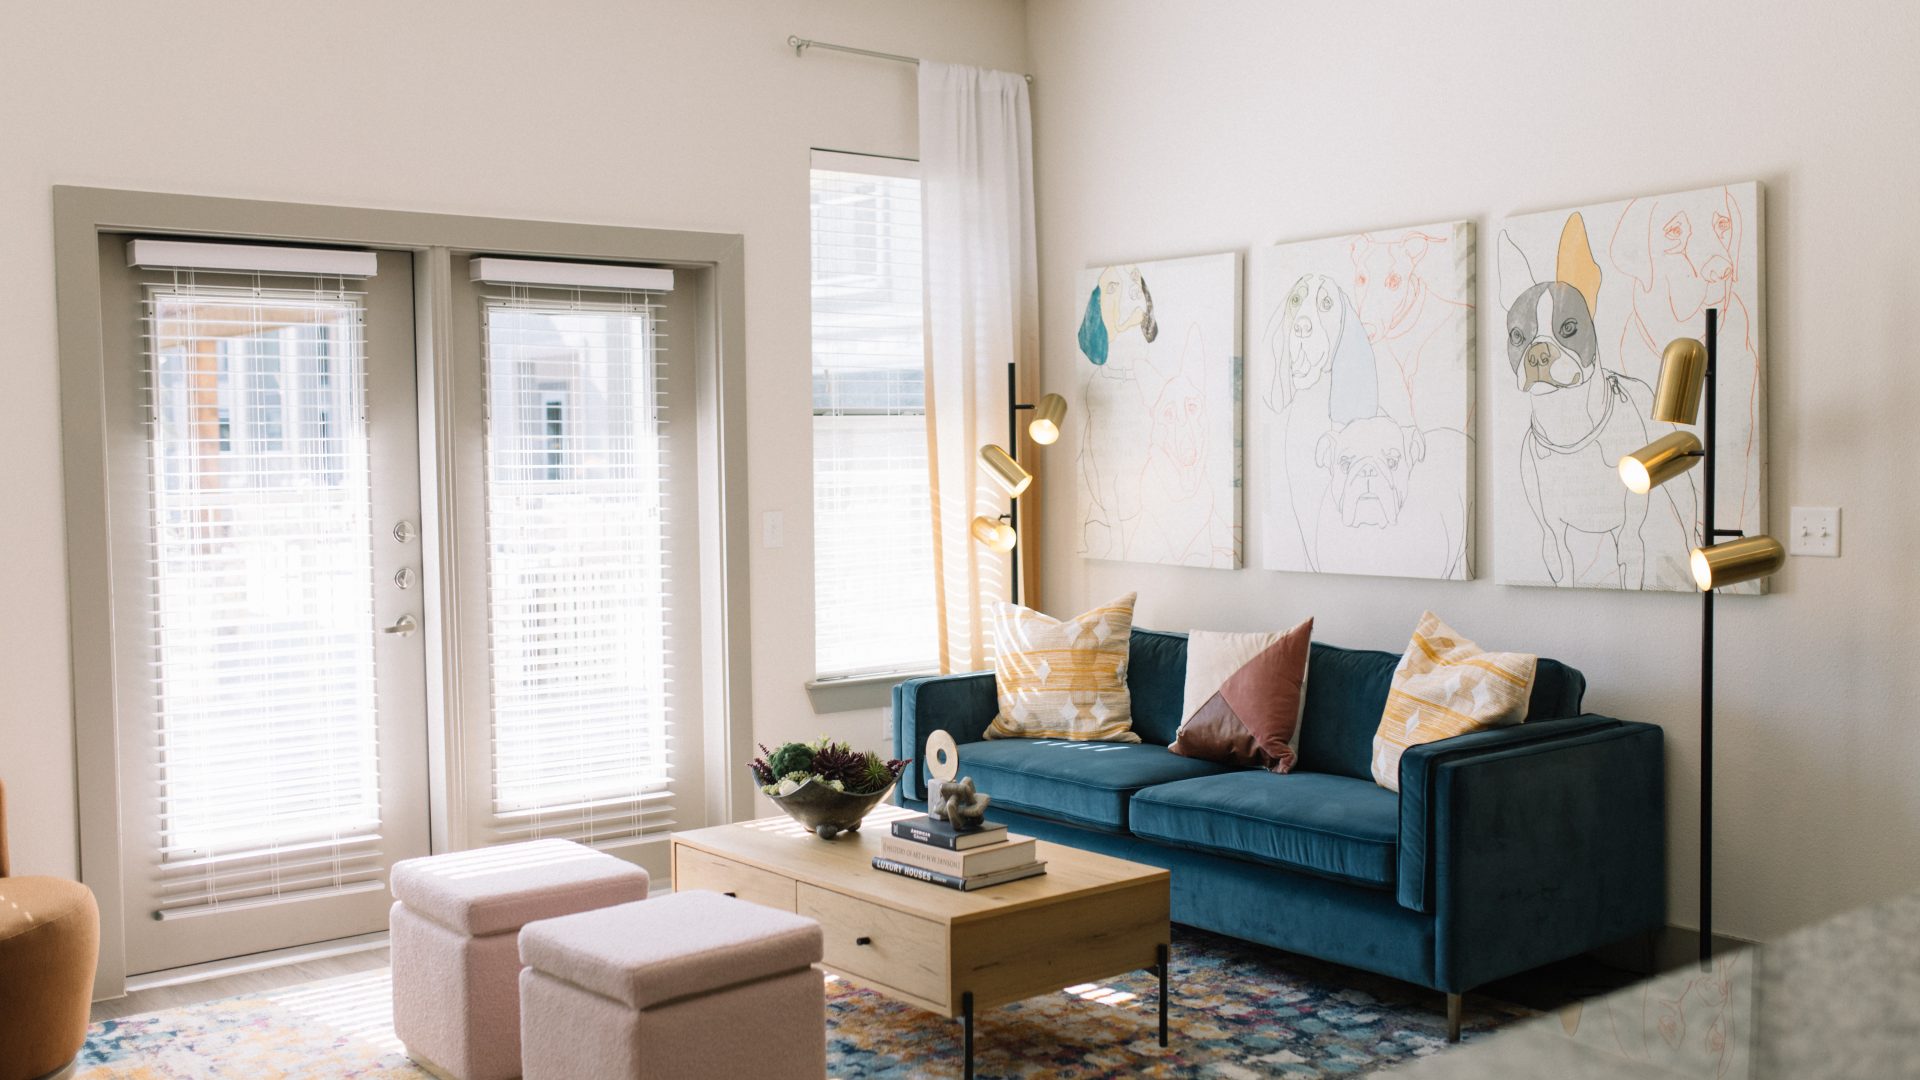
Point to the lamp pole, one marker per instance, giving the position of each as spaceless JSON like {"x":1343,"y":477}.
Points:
{"x":1688,"y":367}
{"x":1014,"y":405}
{"x":1706,"y":653}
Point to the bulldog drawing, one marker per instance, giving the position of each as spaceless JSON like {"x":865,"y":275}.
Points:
{"x":1375,"y":506}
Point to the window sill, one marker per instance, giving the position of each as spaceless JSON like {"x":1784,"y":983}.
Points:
{"x":846,"y":693}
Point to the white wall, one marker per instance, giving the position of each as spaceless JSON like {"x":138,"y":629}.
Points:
{"x":687,"y":114}
{"x":1158,"y":134}
{"x":1231,"y":125}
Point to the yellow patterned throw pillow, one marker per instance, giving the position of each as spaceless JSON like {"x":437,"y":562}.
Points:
{"x":1063,"y":678}
{"x":1446,"y":686}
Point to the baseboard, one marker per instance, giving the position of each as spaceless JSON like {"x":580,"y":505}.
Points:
{"x":1663,"y":950}
{"x":257,"y":961}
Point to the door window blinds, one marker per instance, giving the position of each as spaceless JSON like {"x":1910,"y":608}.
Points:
{"x":872,"y":526}
{"x":261,"y":582}
{"x":576,"y":486}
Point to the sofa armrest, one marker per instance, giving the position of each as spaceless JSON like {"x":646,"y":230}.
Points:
{"x":1545,"y":848}
{"x":1420,"y":766}
{"x":960,"y":705}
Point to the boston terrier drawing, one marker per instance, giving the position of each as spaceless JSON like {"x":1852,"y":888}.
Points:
{"x":1584,"y":416}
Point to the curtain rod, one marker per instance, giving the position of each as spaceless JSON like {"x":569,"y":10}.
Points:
{"x":800,"y":46}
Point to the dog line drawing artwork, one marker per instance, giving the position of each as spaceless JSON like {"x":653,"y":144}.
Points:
{"x":1582,"y":348}
{"x":1158,"y":454}
{"x":1366,"y":405}
{"x":1678,"y":271}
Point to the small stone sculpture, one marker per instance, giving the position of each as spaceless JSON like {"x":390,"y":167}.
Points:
{"x":955,"y":800}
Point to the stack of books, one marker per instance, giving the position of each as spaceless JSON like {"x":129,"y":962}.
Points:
{"x":930,"y":849}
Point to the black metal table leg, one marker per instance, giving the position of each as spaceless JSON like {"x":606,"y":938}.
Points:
{"x":1162,"y":969}
{"x":966,"y":1022}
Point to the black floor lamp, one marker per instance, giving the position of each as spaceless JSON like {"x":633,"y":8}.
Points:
{"x":1686,"y":368}
{"x":1003,"y":533}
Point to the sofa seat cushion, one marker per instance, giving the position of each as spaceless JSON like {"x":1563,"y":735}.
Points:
{"x":1339,"y":827}
{"x":1086,"y":783}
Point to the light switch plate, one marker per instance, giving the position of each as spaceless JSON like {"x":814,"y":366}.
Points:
{"x":1815,"y":531}
{"x":773,"y":529}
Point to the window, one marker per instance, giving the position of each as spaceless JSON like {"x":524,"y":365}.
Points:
{"x":578,"y":578}
{"x":872,"y":526}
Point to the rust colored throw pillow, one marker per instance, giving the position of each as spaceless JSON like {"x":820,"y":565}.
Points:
{"x":1243,"y":699}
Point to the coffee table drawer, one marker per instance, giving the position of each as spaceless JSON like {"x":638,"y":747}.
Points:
{"x":873,"y":942}
{"x":695,"y":869}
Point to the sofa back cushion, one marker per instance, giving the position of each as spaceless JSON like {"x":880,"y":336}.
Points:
{"x":1346,"y":693}
{"x":1157,"y":682}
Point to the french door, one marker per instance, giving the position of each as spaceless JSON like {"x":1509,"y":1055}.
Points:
{"x":581,"y":629}
{"x":272,"y":705}
{"x":264,"y":467}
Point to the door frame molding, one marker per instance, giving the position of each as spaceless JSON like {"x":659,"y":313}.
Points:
{"x":714,"y":264}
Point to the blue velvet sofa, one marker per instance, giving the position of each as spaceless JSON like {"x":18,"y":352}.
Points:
{"x":1503,"y":849}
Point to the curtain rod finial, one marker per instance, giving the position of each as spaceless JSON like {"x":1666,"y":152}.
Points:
{"x":798,"y":44}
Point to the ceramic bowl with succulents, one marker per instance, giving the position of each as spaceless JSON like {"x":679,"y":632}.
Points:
{"x":826,"y":786}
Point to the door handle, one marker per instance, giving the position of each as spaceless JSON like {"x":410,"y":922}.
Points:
{"x":405,"y":625}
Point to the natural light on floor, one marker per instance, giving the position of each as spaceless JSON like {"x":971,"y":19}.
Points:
{"x":357,"y":1006}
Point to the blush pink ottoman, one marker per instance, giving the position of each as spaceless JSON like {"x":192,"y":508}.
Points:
{"x":689,"y":986}
{"x":454,"y":933}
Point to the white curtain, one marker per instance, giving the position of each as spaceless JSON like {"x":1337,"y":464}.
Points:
{"x":976,"y":176}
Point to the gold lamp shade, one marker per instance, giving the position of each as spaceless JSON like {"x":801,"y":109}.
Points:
{"x":1047,"y":414}
{"x":1683,"y":371}
{"x":1006,"y":472}
{"x":1730,"y":563}
{"x":994,"y":533}
{"x":1659,"y":461}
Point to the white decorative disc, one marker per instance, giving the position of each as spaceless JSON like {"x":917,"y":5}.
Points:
{"x":943,"y":756}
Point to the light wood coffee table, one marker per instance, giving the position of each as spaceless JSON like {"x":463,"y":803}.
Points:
{"x":1089,"y":917}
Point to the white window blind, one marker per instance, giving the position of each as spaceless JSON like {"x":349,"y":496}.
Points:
{"x":578,"y":578}
{"x":262,"y":594}
{"x":872,"y":530}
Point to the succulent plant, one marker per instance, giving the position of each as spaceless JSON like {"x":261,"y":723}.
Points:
{"x":763,"y":773}
{"x":791,"y":758}
{"x":782,"y":770}
{"x":838,"y":761}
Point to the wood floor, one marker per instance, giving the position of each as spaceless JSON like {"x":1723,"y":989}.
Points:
{"x":157,"y":998}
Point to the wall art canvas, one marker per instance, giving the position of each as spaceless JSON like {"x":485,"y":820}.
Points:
{"x":1361,"y":399}
{"x":1158,"y":345}
{"x":1589,"y":298}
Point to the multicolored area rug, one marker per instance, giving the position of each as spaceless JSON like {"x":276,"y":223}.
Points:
{"x":1238,"y":1011}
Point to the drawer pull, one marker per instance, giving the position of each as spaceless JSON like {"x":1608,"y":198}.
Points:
{"x":736,"y":896}
{"x":863,"y":941}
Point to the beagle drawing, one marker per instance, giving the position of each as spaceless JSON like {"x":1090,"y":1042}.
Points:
{"x":1315,"y":335}
{"x":1324,"y":375}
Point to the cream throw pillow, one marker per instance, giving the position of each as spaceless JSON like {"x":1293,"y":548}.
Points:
{"x":1063,"y":678}
{"x":1446,"y":686}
